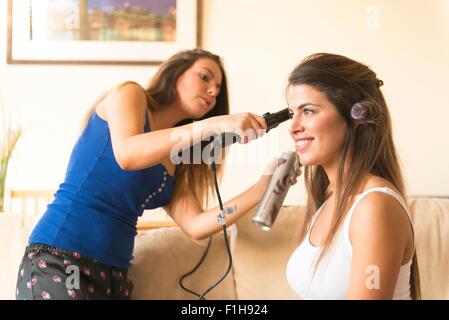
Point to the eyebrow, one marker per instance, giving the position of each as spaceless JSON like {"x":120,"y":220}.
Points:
{"x":210,"y":71}
{"x":304,"y":105}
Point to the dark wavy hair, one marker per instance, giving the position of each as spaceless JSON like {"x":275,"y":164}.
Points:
{"x":162,"y":88}
{"x":162,"y":92}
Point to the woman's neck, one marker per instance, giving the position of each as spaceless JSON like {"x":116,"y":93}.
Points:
{"x":166,"y":117}
{"x":332,"y":174}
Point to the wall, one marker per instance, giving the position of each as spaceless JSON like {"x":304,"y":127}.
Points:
{"x":404,"y":41}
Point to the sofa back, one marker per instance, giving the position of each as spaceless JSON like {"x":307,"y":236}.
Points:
{"x":260,"y":257}
{"x":431,"y":222}
{"x":162,"y":256}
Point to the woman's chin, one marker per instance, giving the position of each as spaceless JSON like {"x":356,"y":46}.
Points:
{"x":306,"y":161}
{"x":199,"y":113}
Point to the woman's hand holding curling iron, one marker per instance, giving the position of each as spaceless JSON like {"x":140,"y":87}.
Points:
{"x":248,"y":125}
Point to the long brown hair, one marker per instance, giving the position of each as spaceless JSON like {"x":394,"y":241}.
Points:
{"x":160,"y":92}
{"x":368,"y":144}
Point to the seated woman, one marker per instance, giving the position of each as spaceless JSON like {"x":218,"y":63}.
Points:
{"x":357,"y":241}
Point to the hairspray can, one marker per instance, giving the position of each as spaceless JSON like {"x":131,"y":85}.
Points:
{"x":276,"y":191}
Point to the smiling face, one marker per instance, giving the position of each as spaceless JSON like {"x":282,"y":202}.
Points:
{"x":198,"y":87}
{"x":316,"y":127}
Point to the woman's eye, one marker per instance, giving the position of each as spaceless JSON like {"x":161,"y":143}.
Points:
{"x":204,"y":77}
{"x":307,"y":111}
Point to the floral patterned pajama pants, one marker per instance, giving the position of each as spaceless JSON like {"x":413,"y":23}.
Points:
{"x":51,"y":273}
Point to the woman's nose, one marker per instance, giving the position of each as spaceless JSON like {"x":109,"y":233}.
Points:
{"x":212,"y":91}
{"x":296,"y":124}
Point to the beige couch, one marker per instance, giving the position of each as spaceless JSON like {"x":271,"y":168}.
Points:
{"x":161,"y":256}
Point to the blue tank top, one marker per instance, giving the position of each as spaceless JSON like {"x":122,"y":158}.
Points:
{"x":96,"y":208}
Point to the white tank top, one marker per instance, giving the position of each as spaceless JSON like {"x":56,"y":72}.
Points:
{"x":331,"y":280}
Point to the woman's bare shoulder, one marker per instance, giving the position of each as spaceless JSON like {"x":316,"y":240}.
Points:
{"x":381,"y":212}
{"x":378,"y":205}
{"x":129,"y":94}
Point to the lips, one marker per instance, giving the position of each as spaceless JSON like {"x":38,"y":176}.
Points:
{"x":206,"y":101}
{"x":303,"y":144}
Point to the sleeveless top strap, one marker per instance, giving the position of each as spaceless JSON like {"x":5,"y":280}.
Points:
{"x":385,"y":190}
{"x":315,"y":216}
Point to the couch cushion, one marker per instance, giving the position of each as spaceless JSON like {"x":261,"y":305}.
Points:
{"x":162,"y":256}
{"x":431,"y":221}
{"x":260,"y":257}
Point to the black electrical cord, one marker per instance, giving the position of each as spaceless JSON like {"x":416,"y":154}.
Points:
{"x":272,"y":120}
{"x":214,"y":171}
{"x":201,"y":296}
{"x":194,"y":269}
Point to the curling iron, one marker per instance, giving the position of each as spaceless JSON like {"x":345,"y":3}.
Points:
{"x":228,"y":138}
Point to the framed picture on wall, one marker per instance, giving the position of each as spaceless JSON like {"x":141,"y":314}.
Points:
{"x":100,"y":31}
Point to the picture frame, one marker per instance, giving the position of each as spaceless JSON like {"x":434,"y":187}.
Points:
{"x":31,"y":39}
